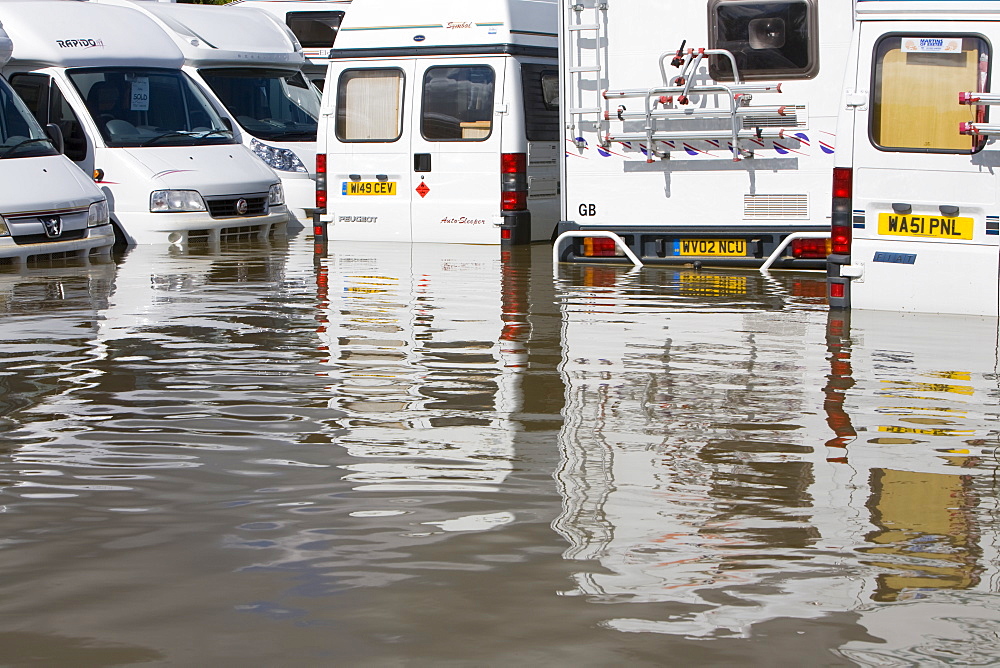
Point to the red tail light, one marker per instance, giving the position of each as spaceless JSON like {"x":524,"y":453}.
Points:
{"x":321,"y":181}
{"x":600,"y":247}
{"x":513,"y":181}
{"x":810,"y":249}
{"x":843,"y":183}
{"x":842,"y":214}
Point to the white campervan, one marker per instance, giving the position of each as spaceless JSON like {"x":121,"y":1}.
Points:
{"x":48,"y":206}
{"x":916,"y":214}
{"x":250,"y":66}
{"x":315,"y":24}
{"x":440,"y":123}
{"x":110,"y":78}
{"x":700,"y":131}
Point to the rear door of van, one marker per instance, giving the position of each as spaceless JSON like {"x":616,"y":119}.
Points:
{"x":369,"y":162}
{"x":456,"y":148}
{"x":415,"y":155}
{"x":926,"y":217}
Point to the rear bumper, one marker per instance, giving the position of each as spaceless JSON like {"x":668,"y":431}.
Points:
{"x":659,"y":245}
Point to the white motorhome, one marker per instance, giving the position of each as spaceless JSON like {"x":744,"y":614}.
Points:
{"x":49,"y":206}
{"x":110,"y":78}
{"x":315,"y":24}
{"x":711,"y":143}
{"x":439,"y":124}
{"x":250,"y":67}
{"x":916,"y":216}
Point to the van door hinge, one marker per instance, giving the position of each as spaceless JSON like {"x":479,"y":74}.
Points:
{"x":500,"y":109}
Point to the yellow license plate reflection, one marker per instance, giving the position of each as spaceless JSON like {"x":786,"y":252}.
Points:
{"x":711,"y":247}
{"x":369,"y":188}
{"x":712,"y":284}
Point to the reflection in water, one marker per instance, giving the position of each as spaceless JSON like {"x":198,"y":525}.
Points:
{"x":703,"y":468}
{"x":427,"y":368}
{"x":268,"y":457}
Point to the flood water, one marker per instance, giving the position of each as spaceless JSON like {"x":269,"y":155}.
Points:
{"x":397,"y":455}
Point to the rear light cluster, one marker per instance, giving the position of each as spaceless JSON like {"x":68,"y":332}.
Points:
{"x":513,"y":181}
{"x":811,"y":249}
{"x":321,"y":182}
{"x":600,"y":247}
{"x":842,"y":213}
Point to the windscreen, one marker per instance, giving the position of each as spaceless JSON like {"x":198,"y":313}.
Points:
{"x":148,"y":107}
{"x":269,"y":104}
{"x":20,"y":134}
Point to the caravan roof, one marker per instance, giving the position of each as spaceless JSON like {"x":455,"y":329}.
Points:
{"x":422,"y":26}
{"x":919,"y":9}
{"x":208,"y":34}
{"x":82,"y":34}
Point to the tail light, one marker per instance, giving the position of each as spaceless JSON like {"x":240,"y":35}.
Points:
{"x":514,"y":181}
{"x":321,"y":182}
{"x":841,"y":214}
{"x":600,"y":247}
{"x":810,"y":249}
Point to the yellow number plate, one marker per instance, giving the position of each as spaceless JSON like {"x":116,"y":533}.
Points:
{"x":369,"y":188}
{"x":935,"y":227}
{"x":711,"y":247}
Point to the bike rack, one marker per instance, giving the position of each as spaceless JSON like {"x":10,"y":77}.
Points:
{"x":678,"y":91}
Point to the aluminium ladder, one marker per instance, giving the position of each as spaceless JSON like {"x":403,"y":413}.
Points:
{"x":585,"y":17}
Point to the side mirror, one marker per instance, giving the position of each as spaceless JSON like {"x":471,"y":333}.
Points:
{"x":228,"y":123}
{"x":54,"y":133}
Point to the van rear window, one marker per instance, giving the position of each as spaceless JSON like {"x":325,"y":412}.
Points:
{"x":457,"y":103}
{"x":370,"y":105}
{"x":770,"y":39}
{"x":915,"y":86}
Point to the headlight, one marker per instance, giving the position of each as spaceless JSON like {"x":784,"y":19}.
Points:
{"x":275,"y":195}
{"x":98,"y":214}
{"x":161,"y":201}
{"x":281,"y":159}
{"x":4,"y":232}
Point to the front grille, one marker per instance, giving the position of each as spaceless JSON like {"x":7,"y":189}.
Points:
{"x":69,"y":235}
{"x":226,"y":207}
{"x":776,"y":206}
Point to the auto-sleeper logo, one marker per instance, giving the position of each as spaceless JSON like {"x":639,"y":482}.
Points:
{"x":79,"y":43}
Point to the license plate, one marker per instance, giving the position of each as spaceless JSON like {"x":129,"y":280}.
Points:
{"x":711,"y":247}
{"x":935,"y":227}
{"x":369,"y":188}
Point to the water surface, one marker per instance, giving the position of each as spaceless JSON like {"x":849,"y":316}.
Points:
{"x":448,"y":455}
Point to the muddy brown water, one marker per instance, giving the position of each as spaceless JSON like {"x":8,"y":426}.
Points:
{"x":396,"y":455}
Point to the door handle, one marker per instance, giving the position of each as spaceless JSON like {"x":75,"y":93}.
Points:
{"x":421,"y":162}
